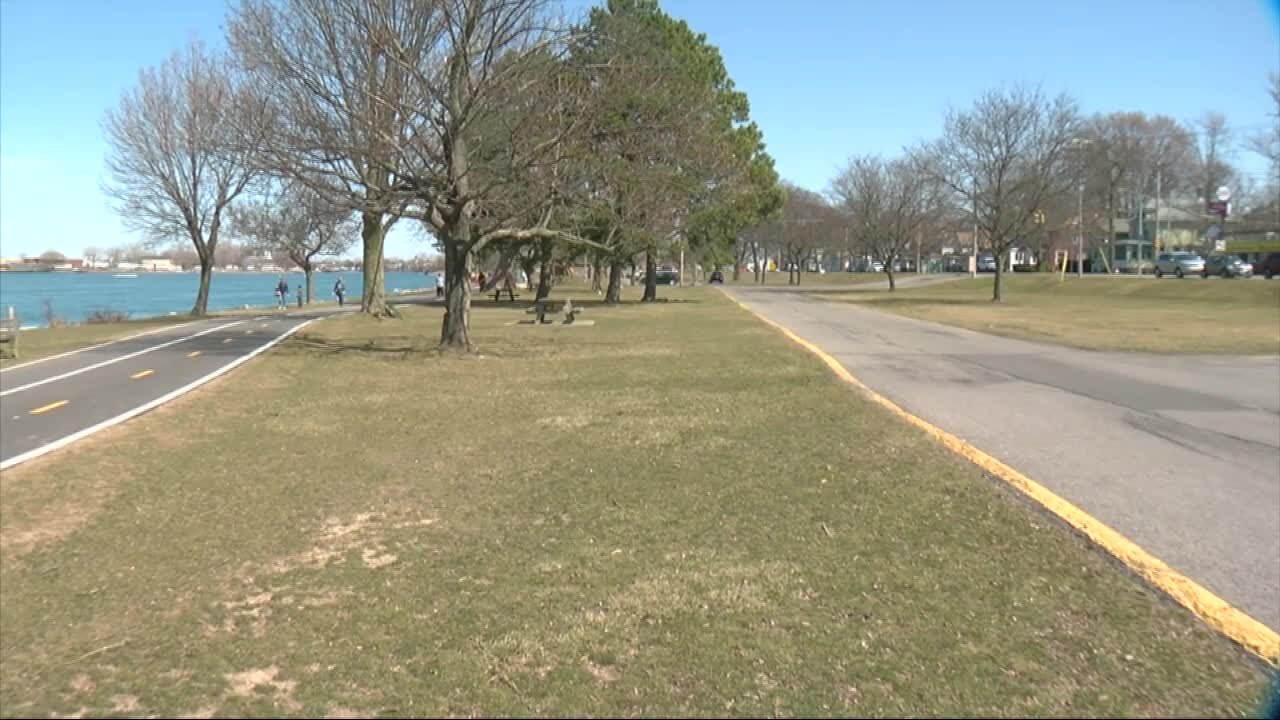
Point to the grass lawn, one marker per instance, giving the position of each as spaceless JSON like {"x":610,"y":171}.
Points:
{"x":672,"y":512}
{"x":40,"y":342}
{"x":1102,"y":313}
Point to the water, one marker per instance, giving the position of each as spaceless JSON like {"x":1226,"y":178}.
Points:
{"x":74,"y":295}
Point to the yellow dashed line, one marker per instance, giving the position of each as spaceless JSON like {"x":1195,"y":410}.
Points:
{"x":248,"y":332}
{"x":140,"y":375}
{"x":226,"y":340}
{"x":50,"y":406}
{"x":194,"y":353}
{"x":1213,"y":610}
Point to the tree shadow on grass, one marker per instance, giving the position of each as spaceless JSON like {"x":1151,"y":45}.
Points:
{"x":403,"y":345}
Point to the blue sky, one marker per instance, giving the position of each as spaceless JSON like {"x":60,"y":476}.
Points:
{"x":826,"y":79}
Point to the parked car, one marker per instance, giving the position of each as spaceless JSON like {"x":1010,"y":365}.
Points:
{"x":717,"y":277}
{"x":1179,"y":264}
{"x":668,"y":277}
{"x":1268,"y":266}
{"x":1228,"y":266}
{"x":986,"y":263}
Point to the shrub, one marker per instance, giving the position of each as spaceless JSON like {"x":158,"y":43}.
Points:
{"x":105,"y":315}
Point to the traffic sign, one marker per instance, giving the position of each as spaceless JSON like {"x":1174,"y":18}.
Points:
{"x":1218,"y":208}
{"x":1224,"y":193}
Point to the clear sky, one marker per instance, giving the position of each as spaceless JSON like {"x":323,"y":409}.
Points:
{"x":826,"y":79}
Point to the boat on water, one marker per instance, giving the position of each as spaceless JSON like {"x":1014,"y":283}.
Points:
{"x":125,"y":275}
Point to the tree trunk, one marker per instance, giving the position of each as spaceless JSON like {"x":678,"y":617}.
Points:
{"x":613,"y":293}
{"x":596,"y":283}
{"x":202,"y":295}
{"x":888,"y":271}
{"x":373,"y":298}
{"x":544,"y":269}
{"x":306,"y":272}
{"x":995,"y":295}
{"x":737,"y":269}
{"x":455,"y":327}
{"x":650,"y":278}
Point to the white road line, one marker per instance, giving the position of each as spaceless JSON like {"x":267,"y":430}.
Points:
{"x":95,"y":347}
{"x":112,"y":361}
{"x":128,"y":414}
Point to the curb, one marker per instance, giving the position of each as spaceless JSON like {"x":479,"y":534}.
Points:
{"x":1220,"y":615}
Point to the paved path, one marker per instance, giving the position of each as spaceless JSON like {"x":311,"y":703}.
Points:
{"x":1179,"y":453}
{"x":48,"y":402}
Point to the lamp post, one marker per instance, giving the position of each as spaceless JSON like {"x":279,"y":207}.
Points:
{"x":1080,"y":144}
{"x":1037,"y":217}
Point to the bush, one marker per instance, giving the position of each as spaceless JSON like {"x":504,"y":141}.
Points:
{"x":105,"y":315}
{"x":51,"y":318}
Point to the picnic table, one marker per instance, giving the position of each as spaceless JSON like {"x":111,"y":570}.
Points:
{"x":544,"y":307}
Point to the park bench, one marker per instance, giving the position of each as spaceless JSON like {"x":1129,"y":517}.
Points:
{"x":542,"y":308}
{"x":512,"y":294}
{"x":9,"y":338}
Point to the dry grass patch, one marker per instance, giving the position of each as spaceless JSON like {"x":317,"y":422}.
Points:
{"x":673,"y":512}
{"x":1103,"y":313}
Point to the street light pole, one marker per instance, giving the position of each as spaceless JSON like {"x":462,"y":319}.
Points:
{"x":1080,"y":230}
{"x":973,"y":261}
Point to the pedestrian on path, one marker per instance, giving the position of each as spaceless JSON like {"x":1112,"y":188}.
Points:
{"x":340,"y":290}
{"x":439,"y":284}
{"x":282,"y":294}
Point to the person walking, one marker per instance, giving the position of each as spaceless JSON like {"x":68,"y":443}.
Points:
{"x":480,"y":281}
{"x":282,"y":293}
{"x":440,"y":284}
{"x":340,"y":290}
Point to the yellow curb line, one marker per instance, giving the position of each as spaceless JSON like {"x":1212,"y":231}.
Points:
{"x":1218,"y":613}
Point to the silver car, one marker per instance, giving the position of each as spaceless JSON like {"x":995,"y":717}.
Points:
{"x":1179,"y":264}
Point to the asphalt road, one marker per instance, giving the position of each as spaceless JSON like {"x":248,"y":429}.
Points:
{"x":1179,"y":453}
{"x":50,"y":402}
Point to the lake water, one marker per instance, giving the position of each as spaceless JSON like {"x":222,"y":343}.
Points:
{"x":73,"y":296}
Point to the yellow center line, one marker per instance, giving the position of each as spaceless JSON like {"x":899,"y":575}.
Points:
{"x":248,"y":332}
{"x":263,"y":325}
{"x":140,"y":375}
{"x":194,"y":353}
{"x":50,"y":406}
{"x":226,"y":340}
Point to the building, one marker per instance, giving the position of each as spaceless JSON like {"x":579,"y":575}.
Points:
{"x":159,"y":264}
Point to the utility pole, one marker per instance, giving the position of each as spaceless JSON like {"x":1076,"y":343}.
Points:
{"x":1155,"y":245}
{"x":973,"y":261}
{"x":1142,"y":236}
{"x":919,"y":233}
{"x":1080,"y":230}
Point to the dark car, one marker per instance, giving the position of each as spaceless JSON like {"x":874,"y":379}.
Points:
{"x":717,"y":277}
{"x":1268,"y":267}
{"x":1227,"y":266}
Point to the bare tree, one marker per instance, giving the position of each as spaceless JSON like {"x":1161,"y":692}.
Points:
{"x":1126,"y":153}
{"x":338,"y":75}
{"x":1002,"y":159}
{"x":298,"y":224}
{"x":1267,"y":144}
{"x":181,"y":144}
{"x":888,"y":203}
{"x":1214,"y":139}
{"x":805,"y":225}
